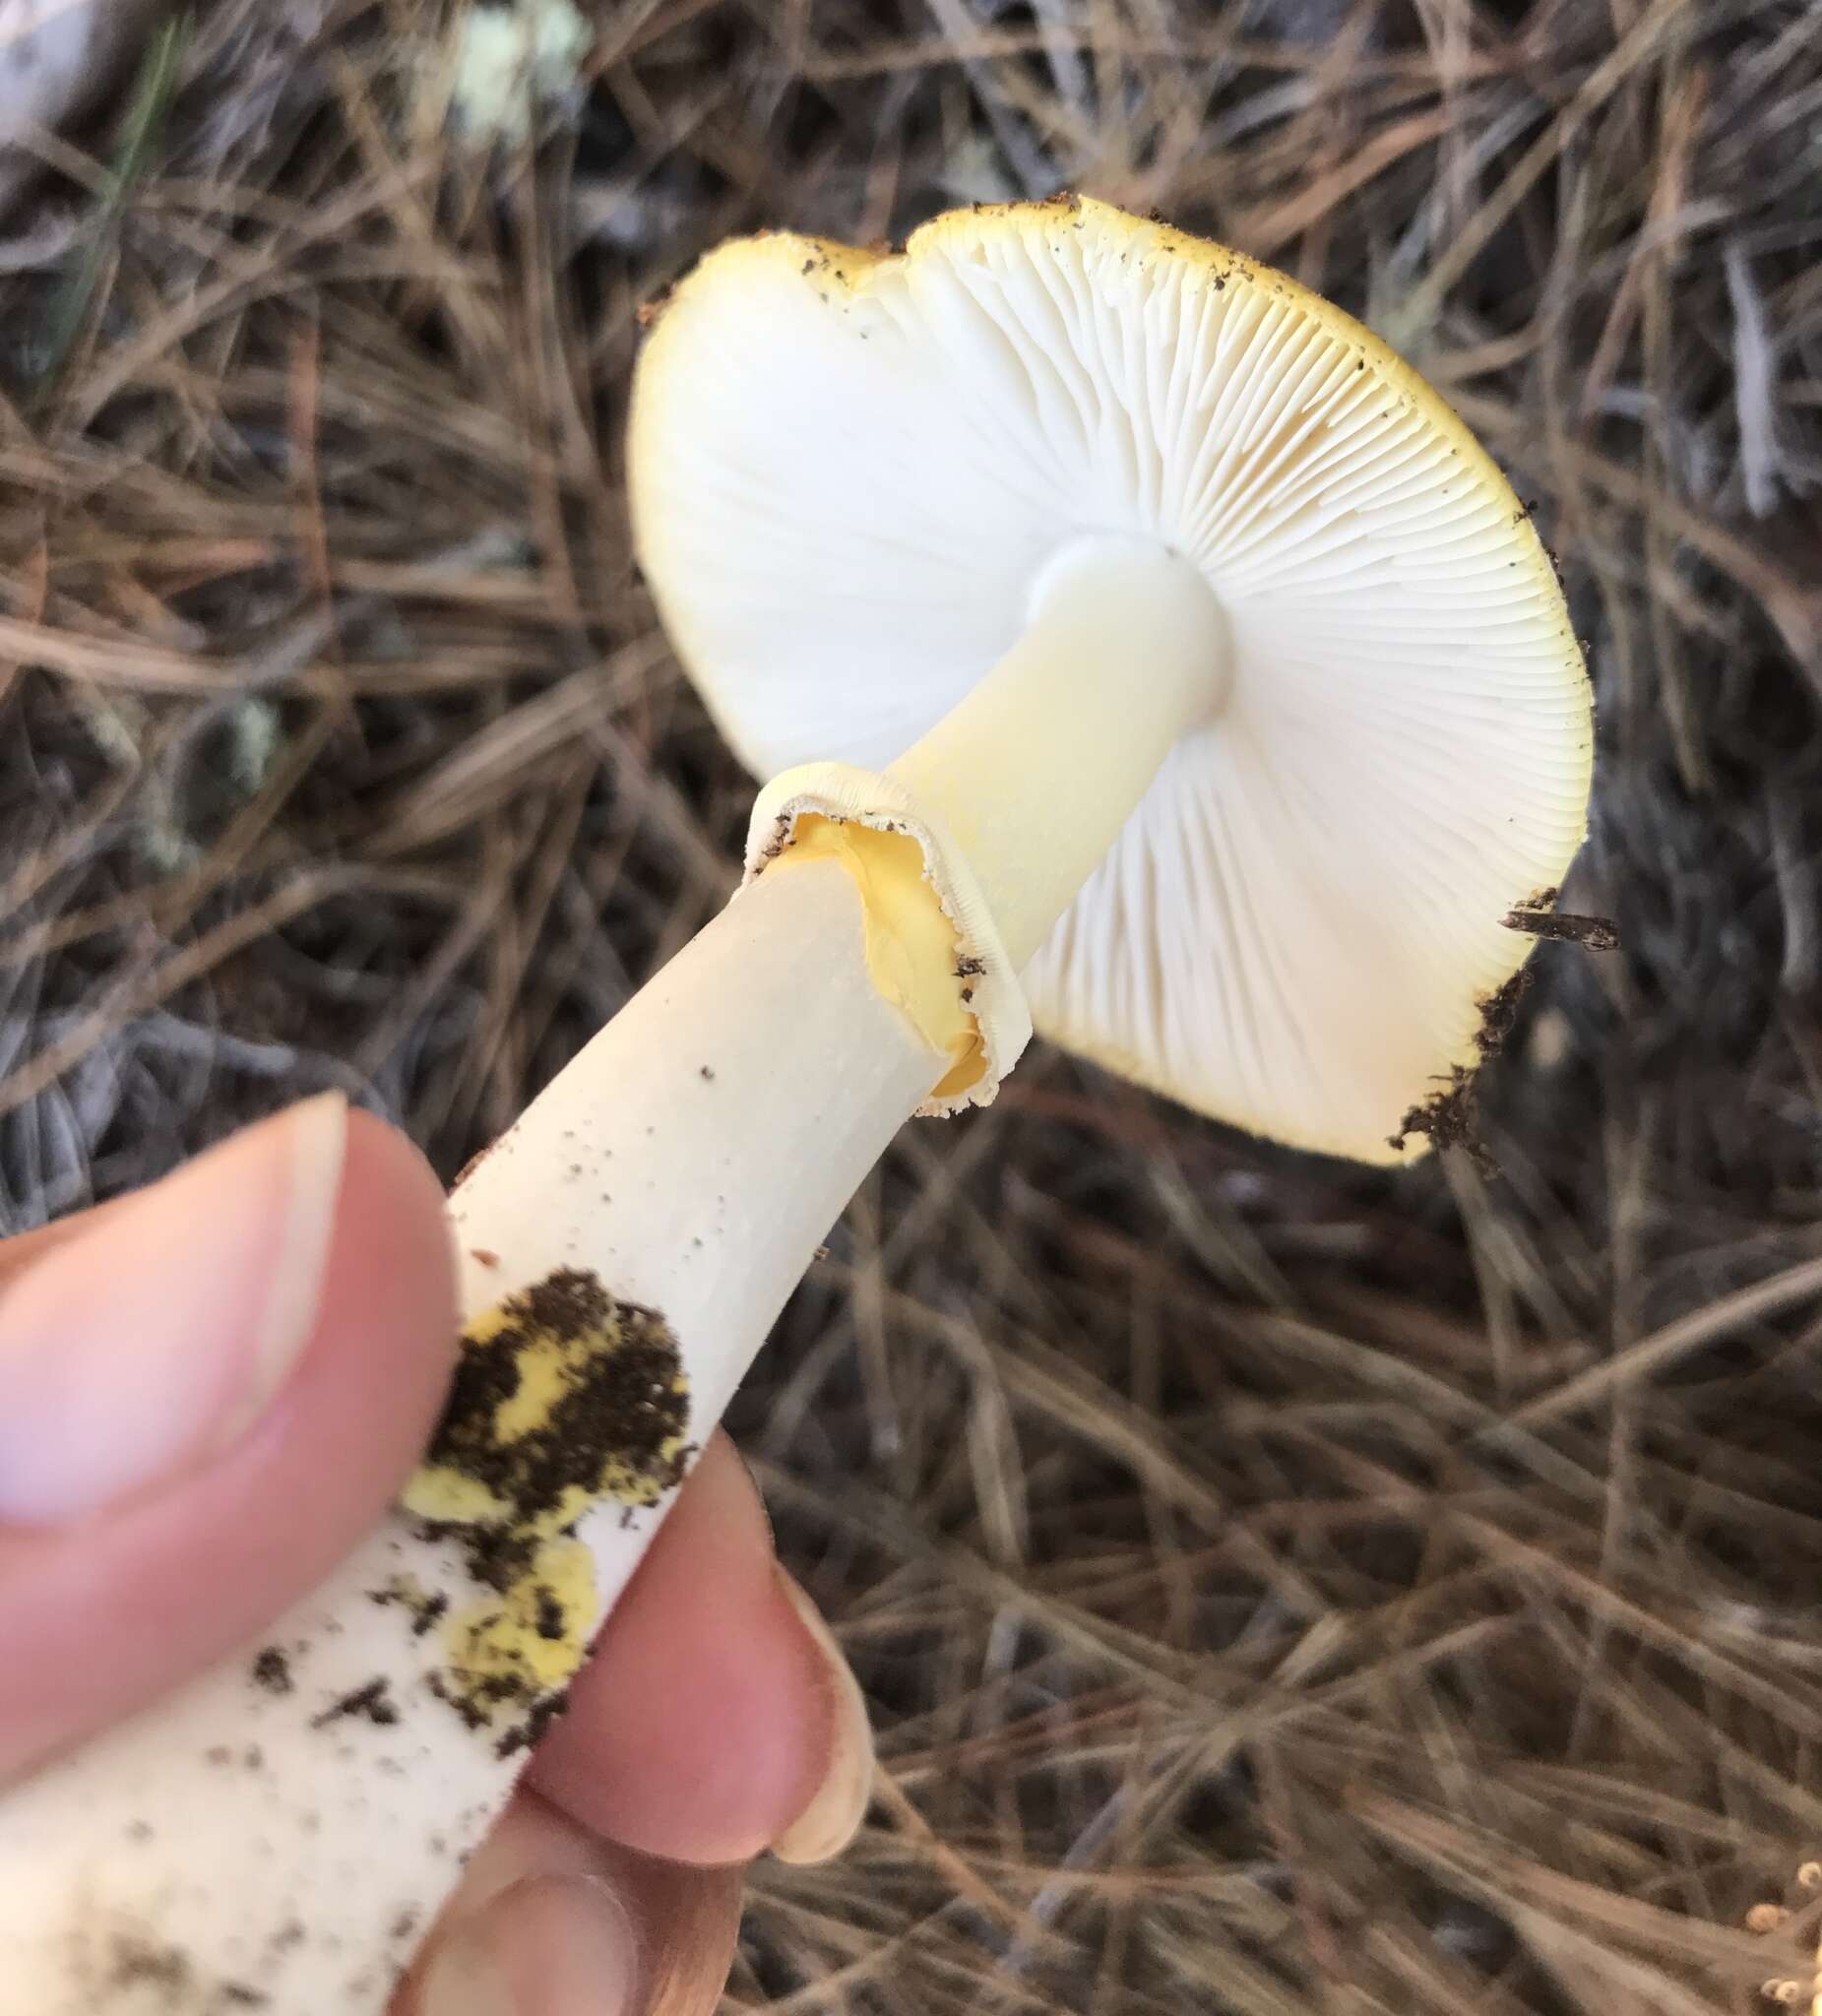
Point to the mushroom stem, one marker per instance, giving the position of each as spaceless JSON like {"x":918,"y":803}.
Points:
{"x":1034,"y":773}
{"x":280,"y":1833}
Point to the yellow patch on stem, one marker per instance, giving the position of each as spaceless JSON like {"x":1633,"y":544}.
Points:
{"x":910,"y":944}
{"x":564,"y":1399}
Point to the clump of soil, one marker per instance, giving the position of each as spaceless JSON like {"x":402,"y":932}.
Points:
{"x":615,"y":1428}
{"x":1499,"y":1013}
{"x":1450,"y":1117}
{"x":1447,"y":1117}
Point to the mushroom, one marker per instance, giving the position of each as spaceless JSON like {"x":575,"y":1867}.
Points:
{"x":1133,"y":634}
{"x":1227,"y":677}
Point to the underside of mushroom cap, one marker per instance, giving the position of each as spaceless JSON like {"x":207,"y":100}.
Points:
{"x":847,"y":471}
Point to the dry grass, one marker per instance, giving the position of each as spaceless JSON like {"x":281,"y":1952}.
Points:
{"x":1280,"y":1588}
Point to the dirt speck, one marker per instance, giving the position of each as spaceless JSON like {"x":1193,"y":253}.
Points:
{"x":138,"y":1963}
{"x":462,"y":1700}
{"x":526,"y":1734}
{"x":273,"y":1670}
{"x":425,"y":1607}
{"x":372,"y":1702}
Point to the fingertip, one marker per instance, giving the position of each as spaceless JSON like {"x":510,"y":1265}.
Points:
{"x":393,"y":1285}
{"x":831,"y":1817}
{"x":128,"y":1602}
{"x":549,"y":1919}
{"x":701,"y":1729}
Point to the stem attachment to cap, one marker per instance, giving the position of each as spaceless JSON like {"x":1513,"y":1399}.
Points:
{"x":1016,"y":795}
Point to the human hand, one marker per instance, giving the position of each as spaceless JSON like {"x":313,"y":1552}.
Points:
{"x":211,"y":1389}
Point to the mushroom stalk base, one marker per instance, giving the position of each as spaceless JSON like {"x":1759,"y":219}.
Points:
{"x":1034,"y":773}
{"x":280,"y":1834}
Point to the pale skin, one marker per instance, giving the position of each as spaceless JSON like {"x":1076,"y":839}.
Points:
{"x":702,"y":1730}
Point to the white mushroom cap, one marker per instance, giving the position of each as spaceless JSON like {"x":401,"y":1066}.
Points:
{"x":847,"y":470}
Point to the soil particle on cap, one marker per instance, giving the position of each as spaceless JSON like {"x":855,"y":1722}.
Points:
{"x":273,"y":1672}
{"x":1563,"y":928}
{"x":483,"y":1256}
{"x":1499,"y":1012}
{"x":1449,"y":1119}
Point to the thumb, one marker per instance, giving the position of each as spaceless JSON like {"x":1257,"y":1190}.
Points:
{"x":208,"y":1392}
{"x":548,"y":1918}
